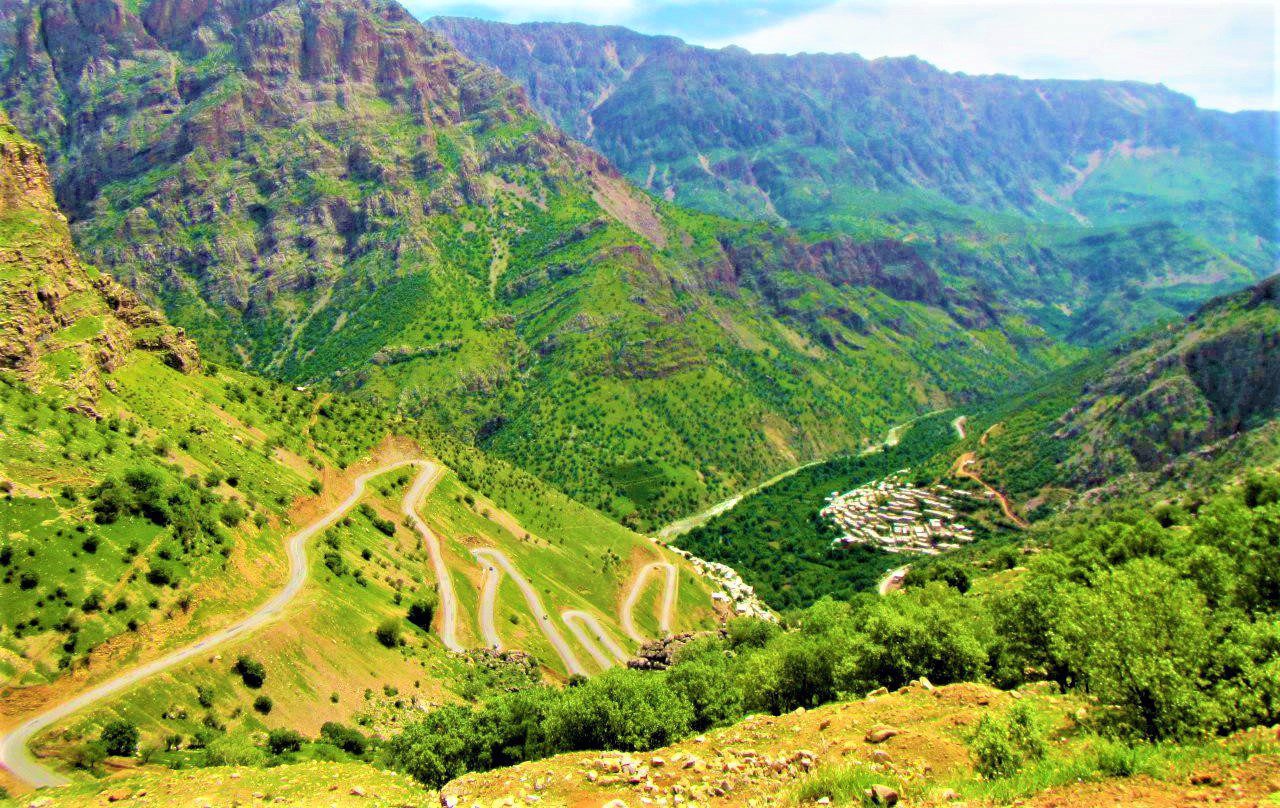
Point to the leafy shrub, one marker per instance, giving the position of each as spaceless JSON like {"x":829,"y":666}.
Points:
{"x":993,"y":750}
{"x":232,"y":750}
{"x":388,"y":632}
{"x":160,"y":574}
{"x":334,"y":561}
{"x":119,"y":738}
{"x":280,"y":741}
{"x":710,"y":690}
{"x":348,"y":739}
{"x":1002,"y":747}
{"x":620,"y":709}
{"x":436,"y":749}
{"x":263,"y":704}
{"x":751,"y":632}
{"x":251,"y":671}
{"x":423,"y":609}
{"x":232,"y":513}
{"x":88,"y":756}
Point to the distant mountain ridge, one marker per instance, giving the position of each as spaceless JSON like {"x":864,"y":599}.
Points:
{"x":822,"y":140}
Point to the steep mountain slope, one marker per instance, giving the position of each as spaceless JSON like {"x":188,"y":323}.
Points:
{"x":328,"y":192}
{"x":1194,"y":402}
{"x":151,"y":501}
{"x":1011,"y":167}
{"x":144,"y":491}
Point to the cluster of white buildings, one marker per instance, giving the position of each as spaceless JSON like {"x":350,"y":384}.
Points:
{"x":896,"y":517}
{"x":734,"y":593}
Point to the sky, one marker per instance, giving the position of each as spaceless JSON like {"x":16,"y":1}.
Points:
{"x":1222,"y":54}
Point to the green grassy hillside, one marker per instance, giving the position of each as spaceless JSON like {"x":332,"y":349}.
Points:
{"x":145,"y":499}
{"x":1175,"y":405}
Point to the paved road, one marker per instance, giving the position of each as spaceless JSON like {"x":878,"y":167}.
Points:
{"x":494,"y":559}
{"x":444,"y":584}
{"x":491,"y":576}
{"x":668,"y":599}
{"x":591,"y":635}
{"x":682,"y":526}
{"x":14,"y":754}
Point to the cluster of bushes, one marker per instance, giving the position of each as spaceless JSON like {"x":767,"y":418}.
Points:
{"x":1167,"y":617}
{"x":146,"y":491}
{"x":213,"y":746}
{"x":620,"y":709}
{"x":382,"y":524}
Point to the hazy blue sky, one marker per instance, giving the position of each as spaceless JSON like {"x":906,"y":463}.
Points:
{"x":1223,"y":54}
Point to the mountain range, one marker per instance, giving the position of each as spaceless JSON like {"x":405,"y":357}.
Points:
{"x":1012,"y":175}
{"x":329,"y":192}
{"x":344,"y":358}
{"x":787,"y":136}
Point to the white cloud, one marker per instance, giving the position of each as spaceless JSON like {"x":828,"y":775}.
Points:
{"x":1224,"y":55}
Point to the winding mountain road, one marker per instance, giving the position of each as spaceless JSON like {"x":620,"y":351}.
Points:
{"x":668,"y":599}
{"x":17,"y":758}
{"x":496,"y":563}
{"x":962,"y":469}
{"x":586,"y":628}
{"x":444,"y":584}
{"x":591,"y":636}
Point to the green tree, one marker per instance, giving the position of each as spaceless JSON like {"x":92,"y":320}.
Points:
{"x":436,"y":749}
{"x":1139,"y":639}
{"x":710,"y":689}
{"x":280,"y":741}
{"x":423,"y":609}
{"x":938,"y":633}
{"x":620,"y":709}
{"x":251,"y":671}
{"x":119,"y":738}
{"x":388,"y":632}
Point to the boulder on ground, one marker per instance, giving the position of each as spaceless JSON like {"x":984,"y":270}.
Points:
{"x":881,"y":733}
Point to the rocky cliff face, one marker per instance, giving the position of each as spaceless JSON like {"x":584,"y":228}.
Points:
{"x":246,"y":154}
{"x":61,"y":323}
{"x":1209,"y":380}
